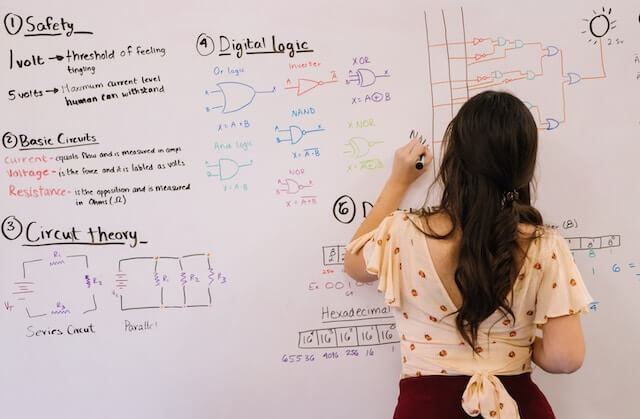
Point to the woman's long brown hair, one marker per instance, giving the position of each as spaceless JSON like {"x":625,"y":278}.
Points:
{"x":490,"y":150}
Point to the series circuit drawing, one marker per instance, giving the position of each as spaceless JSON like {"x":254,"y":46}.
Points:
{"x":460,"y":66}
{"x":235,"y":96}
{"x":161,"y":282}
{"x":224,"y":168}
{"x":55,"y":286}
{"x":364,"y":77}
{"x":294,"y":134}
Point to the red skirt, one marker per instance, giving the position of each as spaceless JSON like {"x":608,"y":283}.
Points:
{"x":438,"y":397}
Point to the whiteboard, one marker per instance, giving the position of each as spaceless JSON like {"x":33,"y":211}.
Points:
{"x":180,"y":180}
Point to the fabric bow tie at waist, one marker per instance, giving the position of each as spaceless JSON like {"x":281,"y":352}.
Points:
{"x":486,"y":395}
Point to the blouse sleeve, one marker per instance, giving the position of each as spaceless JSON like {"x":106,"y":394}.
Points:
{"x":381,"y":255}
{"x":562,"y":291}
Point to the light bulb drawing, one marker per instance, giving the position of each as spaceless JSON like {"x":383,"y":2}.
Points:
{"x":599,"y":25}
{"x":235,"y":96}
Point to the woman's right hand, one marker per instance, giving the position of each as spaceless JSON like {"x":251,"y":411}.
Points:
{"x":404,"y":170}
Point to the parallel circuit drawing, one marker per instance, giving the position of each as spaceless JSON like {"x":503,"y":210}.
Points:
{"x":160,"y":282}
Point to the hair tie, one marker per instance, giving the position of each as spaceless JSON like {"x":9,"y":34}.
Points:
{"x":509,"y":196}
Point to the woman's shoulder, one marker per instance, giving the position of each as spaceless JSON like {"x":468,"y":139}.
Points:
{"x":437,"y":223}
{"x":546,"y":234}
{"x":539,"y":239}
{"x":401,"y":220}
{"x":412,"y":222}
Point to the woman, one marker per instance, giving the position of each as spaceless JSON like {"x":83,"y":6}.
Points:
{"x":471,"y":279}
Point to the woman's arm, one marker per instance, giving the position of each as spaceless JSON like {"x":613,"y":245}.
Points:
{"x":403,"y":174}
{"x":561,"y":348}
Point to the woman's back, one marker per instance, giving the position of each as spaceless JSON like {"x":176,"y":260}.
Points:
{"x":444,"y":252}
{"x":471,"y":279}
{"x":416,"y":277}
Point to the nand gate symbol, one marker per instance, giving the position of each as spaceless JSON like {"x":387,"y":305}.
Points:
{"x":32,"y":331}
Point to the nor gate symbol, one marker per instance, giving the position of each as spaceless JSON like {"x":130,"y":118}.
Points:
{"x":290,"y":186}
{"x":235,"y":96}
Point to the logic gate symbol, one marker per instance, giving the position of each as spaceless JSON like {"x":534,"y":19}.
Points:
{"x":227,"y":168}
{"x":303,"y":85}
{"x":235,"y":96}
{"x":359,"y":146}
{"x":364,"y":77}
{"x":295,"y":133}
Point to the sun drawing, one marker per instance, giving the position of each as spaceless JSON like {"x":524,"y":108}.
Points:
{"x":599,"y":25}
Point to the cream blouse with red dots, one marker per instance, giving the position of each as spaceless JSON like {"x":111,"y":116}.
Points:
{"x":548,"y":285}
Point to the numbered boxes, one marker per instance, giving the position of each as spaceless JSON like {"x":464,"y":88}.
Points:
{"x":593,"y":243}
{"x":350,"y":336}
{"x":333,"y":255}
